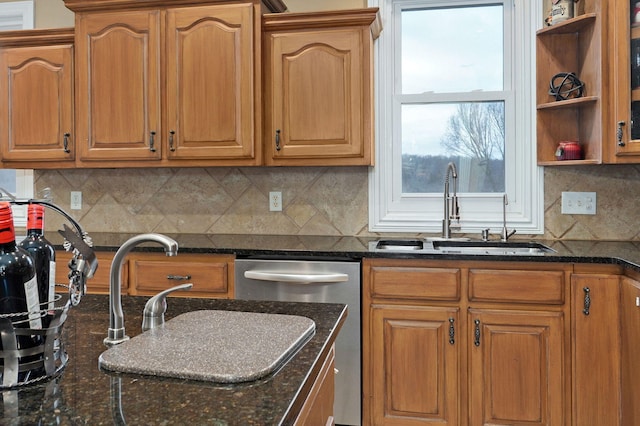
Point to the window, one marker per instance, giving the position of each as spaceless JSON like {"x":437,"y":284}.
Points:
{"x":17,"y":15}
{"x":455,"y":82}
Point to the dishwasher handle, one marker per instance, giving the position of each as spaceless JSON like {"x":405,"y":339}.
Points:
{"x":299,"y":278}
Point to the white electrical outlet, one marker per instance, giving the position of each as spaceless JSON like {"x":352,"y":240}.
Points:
{"x":76,"y":200}
{"x":578,"y":203}
{"x":275,"y":201}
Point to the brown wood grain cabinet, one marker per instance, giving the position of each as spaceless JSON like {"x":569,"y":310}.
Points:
{"x":318,"y":407}
{"x":100,"y":282}
{"x":630,"y":344}
{"x":477,"y":345}
{"x":167,"y":84}
{"x":596,"y":349}
{"x":37,"y":107}
{"x":318,"y":78}
{"x":602,"y":47}
{"x":211,"y":275}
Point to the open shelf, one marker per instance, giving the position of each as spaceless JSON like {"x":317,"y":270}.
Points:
{"x":569,"y":103}
{"x":569,"y":26}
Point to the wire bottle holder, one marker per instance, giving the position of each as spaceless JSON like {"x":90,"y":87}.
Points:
{"x":36,"y":363}
{"x":47,"y":359}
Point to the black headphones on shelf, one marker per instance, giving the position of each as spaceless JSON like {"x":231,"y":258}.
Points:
{"x":569,"y":86}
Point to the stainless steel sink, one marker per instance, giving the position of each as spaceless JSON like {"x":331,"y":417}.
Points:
{"x":462,"y":247}
{"x":492,"y":247}
{"x":400,"y":245}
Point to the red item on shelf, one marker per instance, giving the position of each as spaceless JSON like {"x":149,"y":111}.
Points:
{"x":569,"y":150}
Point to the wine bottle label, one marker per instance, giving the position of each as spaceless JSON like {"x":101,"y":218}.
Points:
{"x":52,"y":284}
{"x":33,"y":303}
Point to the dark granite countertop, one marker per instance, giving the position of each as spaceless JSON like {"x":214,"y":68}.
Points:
{"x":84,"y":395}
{"x":624,"y":253}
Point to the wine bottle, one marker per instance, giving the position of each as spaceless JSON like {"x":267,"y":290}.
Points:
{"x":43,"y":254}
{"x":18,"y":282}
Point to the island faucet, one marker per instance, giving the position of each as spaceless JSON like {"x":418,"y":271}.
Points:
{"x":116,"y":333}
{"x":451,"y":211}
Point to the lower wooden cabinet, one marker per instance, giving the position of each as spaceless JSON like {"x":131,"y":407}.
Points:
{"x":415,"y":357}
{"x":516,"y":367}
{"x":483,"y":343}
{"x":318,"y":408}
{"x":100,"y":282}
{"x":210,"y":274}
{"x":146,"y":273}
{"x":596,"y":349}
{"x":630,"y":336}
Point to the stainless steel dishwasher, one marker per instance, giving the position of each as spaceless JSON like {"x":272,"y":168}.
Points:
{"x":322,"y":282}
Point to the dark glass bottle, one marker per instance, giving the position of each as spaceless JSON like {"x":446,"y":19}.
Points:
{"x":18,"y":282}
{"x":42,"y":253}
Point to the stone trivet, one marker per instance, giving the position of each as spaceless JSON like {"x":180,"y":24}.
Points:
{"x":218,"y":346}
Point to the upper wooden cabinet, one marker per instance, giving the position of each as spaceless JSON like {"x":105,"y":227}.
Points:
{"x":318,"y":78}
{"x":596,"y":46}
{"x":159,"y":83}
{"x":624,"y":81}
{"x":36,"y":110}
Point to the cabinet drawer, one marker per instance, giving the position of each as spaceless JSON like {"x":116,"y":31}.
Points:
{"x":416,"y":283}
{"x":211,"y":275}
{"x":519,"y":286}
{"x":100,"y":282}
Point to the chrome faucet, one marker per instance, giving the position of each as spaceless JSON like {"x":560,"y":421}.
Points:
{"x":116,"y":333}
{"x":505,"y":232}
{"x":451,"y":211}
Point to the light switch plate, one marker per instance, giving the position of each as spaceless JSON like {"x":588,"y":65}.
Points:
{"x":578,"y":203}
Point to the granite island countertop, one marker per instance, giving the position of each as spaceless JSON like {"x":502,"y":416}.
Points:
{"x":82,"y":394}
{"x":624,"y":253}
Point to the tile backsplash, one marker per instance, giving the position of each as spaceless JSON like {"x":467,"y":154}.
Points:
{"x":316,"y":200}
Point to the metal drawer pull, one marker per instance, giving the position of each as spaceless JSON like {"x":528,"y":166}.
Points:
{"x":171,"y":147}
{"x":476,"y":340}
{"x":296,"y":278}
{"x":179,"y":277}
{"x":152,"y":142}
{"x":278,"y":140}
{"x":587,"y":300}
{"x":65,"y":142}
{"x":452,"y":331}
{"x":619,"y":133}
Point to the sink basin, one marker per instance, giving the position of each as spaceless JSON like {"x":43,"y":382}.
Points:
{"x":492,"y":247}
{"x":400,"y":245}
{"x":461,"y":246}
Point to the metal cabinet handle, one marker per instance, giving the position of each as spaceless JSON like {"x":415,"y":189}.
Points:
{"x":178,"y":277}
{"x":587,"y":300}
{"x":302,"y":278}
{"x":152,"y":142}
{"x":452,"y":331}
{"x":278,"y":140}
{"x":171,"y":147}
{"x":619,"y":133}
{"x":65,"y":142}
{"x":476,"y":340}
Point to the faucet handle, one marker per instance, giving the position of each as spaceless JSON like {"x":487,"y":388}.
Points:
{"x":154,"y":309}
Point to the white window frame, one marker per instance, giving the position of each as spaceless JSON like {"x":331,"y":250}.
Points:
{"x":12,"y":15}
{"x":392,"y":211}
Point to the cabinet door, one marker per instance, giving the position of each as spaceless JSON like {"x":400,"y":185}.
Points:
{"x":36,"y":114}
{"x":318,"y":100}
{"x":516,"y":367}
{"x":118,"y":85}
{"x":596,"y":349}
{"x":630,"y":317}
{"x":210,"y":82}
{"x":625,"y":81}
{"x":414,"y":366}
